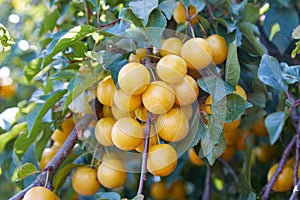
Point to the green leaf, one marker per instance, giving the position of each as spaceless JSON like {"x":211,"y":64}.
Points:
{"x":127,"y":14}
{"x":291,"y":74}
{"x":258,"y":99}
{"x":33,"y":68}
{"x":285,"y":3}
{"x":199,"y":4}
{"x":211,"y":138}
{"x":79,"y":84}
{"x":62,"y":174}
{"x":269,"y":73}
{"x":49,"y":24}
{"x":296,"y":51}
{"x":143,"y":8}
{"x":217,"y":151}
{"x":42,"y":142}
{"x":275,"y":123}
{"x":276,"y":27}
{"x":229,"y":108}
{"x":244,"y":184}
{"x":68,"y":39}
{"x":26,"y":170}
{"x":63,"y":75}
{"x":6,"y":41}
{"x":168,"y":7}
{"x":155,"y":27}
{"x":11,"y":134}
{"x":232,"y":73}
{"x":250,"y":13}
{"x":215,"y":86}
{"x":35,"y":117}
{"x":249,"y":30}
{"x":108,"y":196}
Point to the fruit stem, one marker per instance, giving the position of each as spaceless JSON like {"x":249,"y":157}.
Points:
{"x":206,"y":193}
{"x":265,"y":193}
{"x":145,"y":153}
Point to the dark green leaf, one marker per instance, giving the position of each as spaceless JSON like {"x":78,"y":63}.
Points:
{"x":215,"y":86}
{"x":249,"y":30}
{"x":6,"y":41}
{"x":250,"y":116}
{"x":35,"y":117}
{"x":285,"y":3}
{"x":26,"y":170}
{"x":60,"y":177}
{"x":229,"y":108}
{"x":269,"y":73}
{"x":232,"y":73}
{"x":217,"y":151}
{"x":258,"y":99}
{"x":244,"y":184}
{"x":275,"y":123}
{"x":107,"y":196}
{"x":276,"y":27}
{"x":250,"y":13}
{"x":127,"y":15}
{"x":13,"y":133}
{"x":42,"y":142}
{"x":168,"y":7}
{"x":155,"y":27}
{"x":143,"y":8}
{"x":63,"y":75}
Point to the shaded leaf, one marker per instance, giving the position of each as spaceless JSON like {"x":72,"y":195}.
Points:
{"x":126,"y":14}
{"x":168,"y":7}
{"x":42,"y":142}
{"x":33,"y":68}
{"x":108,"y":196}
{"x":291,"y":74}
{"x":49,"y":24}
{"x":26,"y":170}
{"x":275,"y":123}
{"x":269,"y":73}
{"x":248,"y":31}
{"x":143,"y":8}
{"x":276,"y":28}
{"x":215,"y":86}
{"x":61,"y":176}
{"x":250,"y":13}
{"x":35,"y":117}
{"x":229,"y":108}
{"x":232,"y":73}
{"x":217,"y":151}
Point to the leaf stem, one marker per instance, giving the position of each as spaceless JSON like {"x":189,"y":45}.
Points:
{"x":267,"y":189}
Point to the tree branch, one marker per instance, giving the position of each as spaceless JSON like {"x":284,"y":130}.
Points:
{"x":145,"y":153}
{"x":87,"y":11}
{"x":206,"y":193}
{"x":267,"y":189}
{"x":295,"y":193}
{"x":229,"y":168}
{"x":57,"y":160}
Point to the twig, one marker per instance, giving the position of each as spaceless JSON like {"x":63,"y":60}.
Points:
{"x":296,"y":158}
{"x":191,"y":30}
{"x":87,"y":11}
{"x":145,"y":153}
{"x":295,"y":104}
{"x":295,"y":193}
{"x":267,"y":189}
{"x":206,"y":193}
{"x":104,"y":26}
{"x":229,"y":168}
{"x":55,"y":163}
{"x":210,"y":10}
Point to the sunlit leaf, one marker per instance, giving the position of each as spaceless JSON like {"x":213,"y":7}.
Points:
{"x":143,"y":8}
{"x":26,"y":170}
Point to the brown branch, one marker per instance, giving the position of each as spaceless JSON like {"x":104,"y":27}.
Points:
{"x":267,"y":189}
{"x":295,"y":193}
{"x":210,"y":10}
{"x":58,"y":159}
{"x":206,"y":193}
{"x":145,"y":153}
{"x":87,"y":11}
{"x":104,"y":26}
{"x":229,"y":168}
